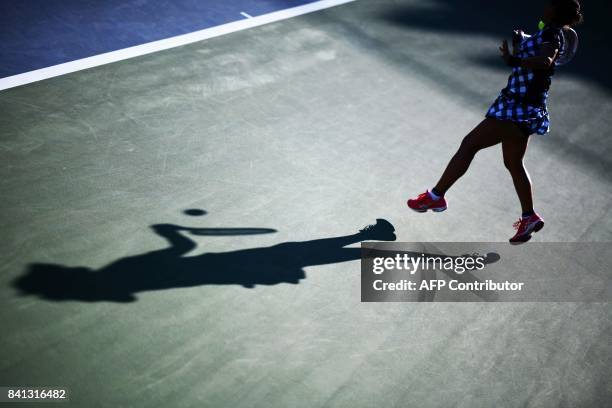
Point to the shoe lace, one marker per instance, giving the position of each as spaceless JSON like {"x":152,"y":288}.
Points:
{"x":367,"y":228}
{"x":423,"y":195}
{"x":518,"y":223}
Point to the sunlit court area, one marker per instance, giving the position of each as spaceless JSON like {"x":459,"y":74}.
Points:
{"x":187,"y":188}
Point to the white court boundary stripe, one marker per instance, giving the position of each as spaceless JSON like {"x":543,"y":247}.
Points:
{"x":160,"y":45}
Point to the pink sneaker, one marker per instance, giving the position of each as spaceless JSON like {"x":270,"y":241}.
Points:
{"x":525,"y":227}
{"x":424,"y":202}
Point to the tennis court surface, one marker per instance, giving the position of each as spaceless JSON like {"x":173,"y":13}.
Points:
{"x":254,"y":157}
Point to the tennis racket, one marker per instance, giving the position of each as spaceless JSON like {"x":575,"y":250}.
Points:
{"x":570,"y":46}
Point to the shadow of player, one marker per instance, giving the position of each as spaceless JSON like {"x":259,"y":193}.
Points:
{"x":169,"y":268}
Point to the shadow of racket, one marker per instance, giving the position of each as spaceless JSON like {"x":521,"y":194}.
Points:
{"x":229,"y":231}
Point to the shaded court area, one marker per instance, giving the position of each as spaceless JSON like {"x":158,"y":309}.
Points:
{"x":284,"y":141}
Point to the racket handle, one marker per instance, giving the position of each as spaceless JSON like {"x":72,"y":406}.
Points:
{"x":517,"y":37}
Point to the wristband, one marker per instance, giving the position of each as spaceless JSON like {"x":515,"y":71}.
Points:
{"x":541,"y":25}
{"x":514,"y":62}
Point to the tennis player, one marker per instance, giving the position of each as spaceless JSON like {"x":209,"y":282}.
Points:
{"x":517,"y":113}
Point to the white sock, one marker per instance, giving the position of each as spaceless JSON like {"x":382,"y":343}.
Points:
{"x":433,"y":195}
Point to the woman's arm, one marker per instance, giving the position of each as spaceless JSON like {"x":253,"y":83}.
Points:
{"x":179,"y":244}
{"x":543,"y":61}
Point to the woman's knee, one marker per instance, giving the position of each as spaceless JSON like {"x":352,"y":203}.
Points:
{"x":469,"y":145}
{"x":514,"y":164}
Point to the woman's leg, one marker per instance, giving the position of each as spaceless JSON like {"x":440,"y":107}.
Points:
{"x":488,"y":133}
{"x":514,"y":146}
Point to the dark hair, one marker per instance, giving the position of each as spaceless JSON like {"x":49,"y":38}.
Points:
{"x":567,"y":12}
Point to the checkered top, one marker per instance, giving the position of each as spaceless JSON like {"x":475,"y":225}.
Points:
{"x":532,"y":85}
{"x":523,"y":100}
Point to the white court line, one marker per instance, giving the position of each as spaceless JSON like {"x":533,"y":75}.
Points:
{"x":242,"y":13}
{"x":160,"y":45}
